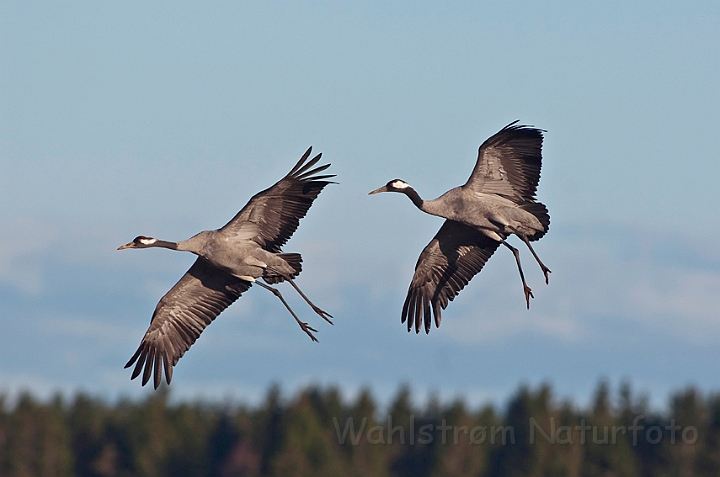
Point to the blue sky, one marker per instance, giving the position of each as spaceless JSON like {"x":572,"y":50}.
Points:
{"x":126,"y":118}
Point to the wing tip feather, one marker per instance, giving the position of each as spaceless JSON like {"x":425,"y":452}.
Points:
{"x":300,"y":162}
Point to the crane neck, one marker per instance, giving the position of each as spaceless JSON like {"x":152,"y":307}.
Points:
{"x":414,"y":197}
{"x":165,"y":244}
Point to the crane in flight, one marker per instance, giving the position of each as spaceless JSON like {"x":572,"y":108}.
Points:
{"x":230,"y":260}
{"x":497,"y":201}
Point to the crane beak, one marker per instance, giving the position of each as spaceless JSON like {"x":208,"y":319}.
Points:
{"x":377,"y":191}
{"x":127,"y":245}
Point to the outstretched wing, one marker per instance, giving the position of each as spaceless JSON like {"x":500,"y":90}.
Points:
{"x":455,"y":255}
{"x":509,"y":164}
{"x":272,"y":216}
{"x":181,"y":315}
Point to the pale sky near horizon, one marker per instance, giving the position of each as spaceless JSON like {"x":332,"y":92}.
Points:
{"x":122,"y":119}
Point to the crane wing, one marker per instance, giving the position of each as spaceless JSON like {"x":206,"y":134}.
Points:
{"x":181,"y":315}
{"x":455,"y":255}
{"x":509,"y":163}
{"x":272,"y":216}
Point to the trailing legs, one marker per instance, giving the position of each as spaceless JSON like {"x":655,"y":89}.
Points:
{"x":304,"y":326}
{"x":526,"y":289}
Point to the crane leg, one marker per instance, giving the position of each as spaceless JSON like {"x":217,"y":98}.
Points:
{"x":304,"y":326}
{"x":545,"y":269}
{"x":526,"y":289}
{"x":323,"y":314}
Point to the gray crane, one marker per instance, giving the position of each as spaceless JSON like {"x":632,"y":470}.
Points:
{"x":229,"y":261}
{"x":497,"y":201}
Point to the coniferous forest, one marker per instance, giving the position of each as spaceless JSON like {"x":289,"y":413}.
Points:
{"x":318,"y":433}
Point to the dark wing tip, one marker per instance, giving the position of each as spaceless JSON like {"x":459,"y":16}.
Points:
{"x":146,"y":360}
{"x":526,"y":129}
{"x":151,"y":363}
{"x":148,"y":368}
{"x":300,"y":162}
{"x":168,"y":371}
{"x":157,"y":373}
{"x":305,"y":174}
{"x":514,"y":126}
{"x":510,"y":132}
{"x":300,"y":169}
{"x":427,"y":315}
{"x":322,"y":178}
{"x":134,"y":357}
{"x":140,"y":363}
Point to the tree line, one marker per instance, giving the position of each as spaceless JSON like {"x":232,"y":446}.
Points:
{"x":318,"y":433}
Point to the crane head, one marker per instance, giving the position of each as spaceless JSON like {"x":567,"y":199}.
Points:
{"x":395,"y":185}
{"x":139,"y":242}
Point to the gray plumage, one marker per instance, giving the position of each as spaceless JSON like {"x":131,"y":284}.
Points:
{"x":497,"y":201}
{"x":229,"y":261}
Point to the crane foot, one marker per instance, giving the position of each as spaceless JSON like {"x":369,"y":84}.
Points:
{"x":528,"y":295}
{"x":308,"y":329}
{"x":323,"y":314}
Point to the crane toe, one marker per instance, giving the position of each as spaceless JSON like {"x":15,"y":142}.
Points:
{"x":308,"y":330}
{"x":323,"y":314}
{"x":528,"y":295}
